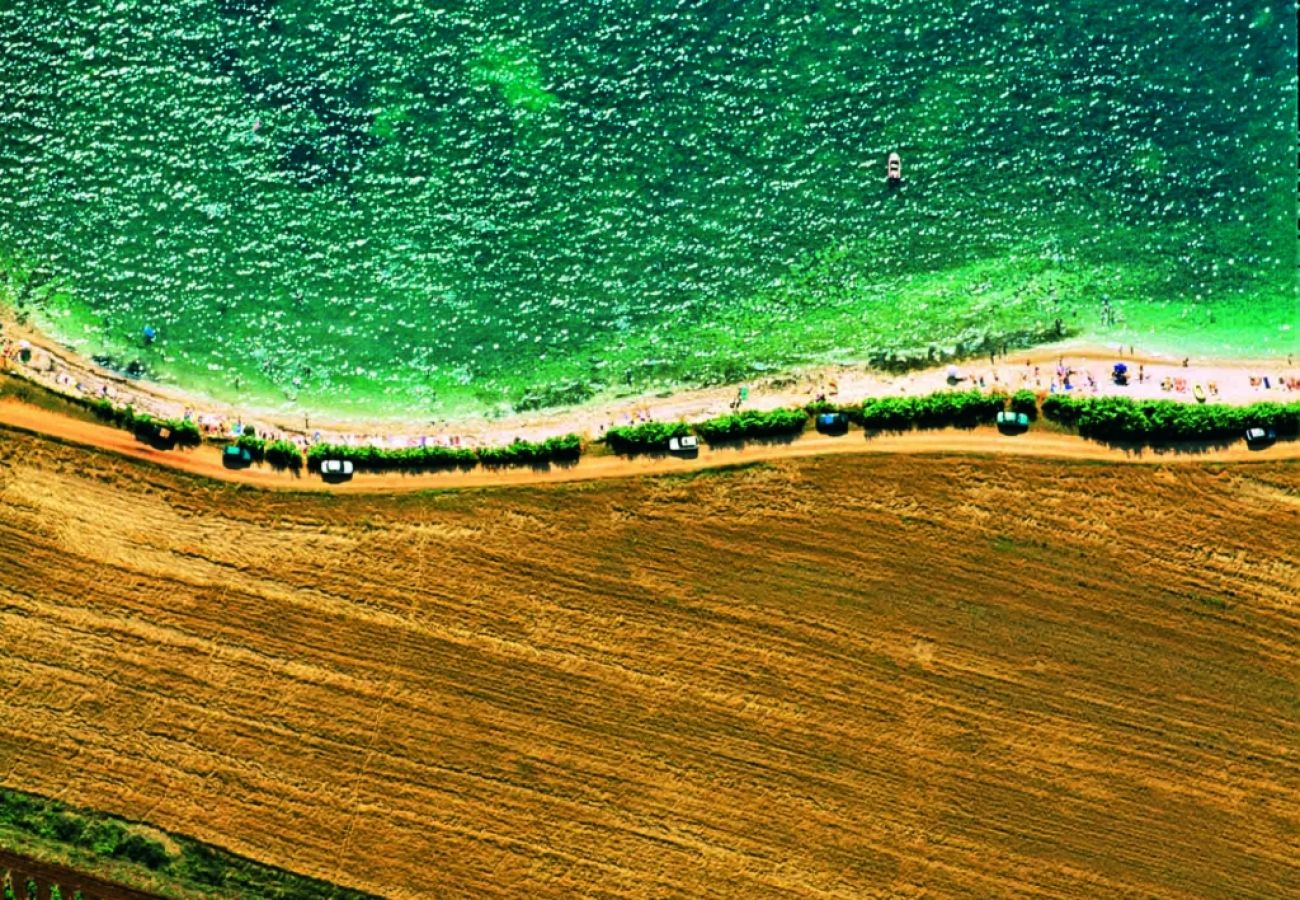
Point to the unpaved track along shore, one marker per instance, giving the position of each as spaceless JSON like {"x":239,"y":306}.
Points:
{"x":206,"y":461}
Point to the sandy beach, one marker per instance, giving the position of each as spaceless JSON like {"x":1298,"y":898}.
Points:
{"x":1084,"y":369}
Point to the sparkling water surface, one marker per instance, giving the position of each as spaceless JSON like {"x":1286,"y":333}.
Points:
{"x":406,"y":209}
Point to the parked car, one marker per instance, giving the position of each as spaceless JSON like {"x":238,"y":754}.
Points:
{"x":336,"y":469}
{"x":688,"y":445}
{"x":236,"y":457}
{"x":161,"y":437}
{"x":832,"y":423}
{"x":1012,"y":422}
{"x":1260,"y":437}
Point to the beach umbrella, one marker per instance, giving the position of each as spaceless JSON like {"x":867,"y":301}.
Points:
{"x":1120,"y":368}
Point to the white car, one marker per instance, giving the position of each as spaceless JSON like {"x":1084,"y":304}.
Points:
{"x":688,"y":444}
{"x":340,"y":469}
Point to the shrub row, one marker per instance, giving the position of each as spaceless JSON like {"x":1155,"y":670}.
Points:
{"x":255,"y":445}
{"x":964,"y":409}
{"x":433,"y":456}
{"x":851,"y":411}
{"x":284,"y":455}
{"x":1026,"y":402}
{"x":430,"y":456}
{"x":143,"y":425}
{"x":752,"y":423}
{"x":1121,"y":418}
{"x":647,"y":436}
{"x":557,"y":449}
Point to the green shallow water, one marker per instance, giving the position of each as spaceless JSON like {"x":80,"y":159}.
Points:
{"x":401,"y":209}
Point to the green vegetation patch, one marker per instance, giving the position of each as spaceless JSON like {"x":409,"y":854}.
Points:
{"x":962,"y":409}
{"x":146,"y":427}
{"x":562,"y":449}
{"x":753,"y":424}
{"x":1123,"y":419}
{"x":646,"y":436}
{"x":131,"y":854}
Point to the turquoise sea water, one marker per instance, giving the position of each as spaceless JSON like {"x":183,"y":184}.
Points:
{"x":407,"y":209}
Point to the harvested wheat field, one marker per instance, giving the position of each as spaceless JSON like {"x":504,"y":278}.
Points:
{"x":844,"y":676}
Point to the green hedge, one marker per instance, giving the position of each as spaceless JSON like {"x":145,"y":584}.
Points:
{"x":430,"y":456}
{"x":647,"y":436}
{"x":255,"y":446}
{"x":1026,"y":402}
{"x":143,"y":425}
{"x":963,"y":409}
{"x":1122,"y":418}
{"x":284,"y":455}
{"x":752,"y":423}
{"x":557,"y":449}
{"x":566,"y":448}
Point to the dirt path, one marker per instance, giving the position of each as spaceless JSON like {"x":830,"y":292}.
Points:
{"x":206,"y":461}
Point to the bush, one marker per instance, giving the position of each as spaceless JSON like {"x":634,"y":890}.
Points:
{"x":430,"y":456}
{"x":557,"y":449}
{"x":1059,"y":408}
{"x":1121,"y":418}
{"x":284,"y":455}
{"x":963,"y":409}
{"x":888,"y":413}
{"x":647,"y":436}
{"x":255,"y":446}
{"x":142,"y":850}
{"x":186,"y":432}
{"x":751,"y":423}
{"x":142,"y":426}
{"x":1026,"y":402}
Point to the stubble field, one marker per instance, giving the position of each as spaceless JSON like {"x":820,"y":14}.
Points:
{"x":836,"y":676}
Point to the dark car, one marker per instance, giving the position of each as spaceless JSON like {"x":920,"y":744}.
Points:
{"x":832,"y":423}
{"x":236,"y":457}
{"x":1260,"y":437}
{"x":1012,"y":422}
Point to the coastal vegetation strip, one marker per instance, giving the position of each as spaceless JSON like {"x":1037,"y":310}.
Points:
{"x":1107,"y":418}
{"x":140,"y":856}
{"x":563,"y":449}
{"x":1120,"y":418}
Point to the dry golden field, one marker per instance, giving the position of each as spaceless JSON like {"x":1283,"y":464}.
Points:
{"x":840,"y":676}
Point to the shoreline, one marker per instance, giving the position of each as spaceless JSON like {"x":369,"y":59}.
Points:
{"x":59,"y":368}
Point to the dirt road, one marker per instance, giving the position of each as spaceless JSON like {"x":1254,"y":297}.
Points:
{"x":206,"y":461}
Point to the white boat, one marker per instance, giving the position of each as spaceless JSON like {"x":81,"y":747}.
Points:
{"x":895,"y":169}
